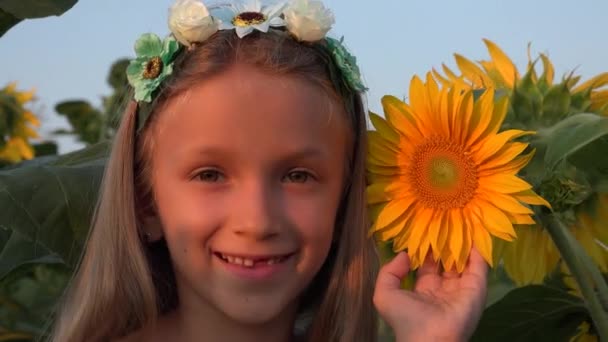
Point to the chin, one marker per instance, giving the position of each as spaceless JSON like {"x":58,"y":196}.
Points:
{"x":258,"y":311}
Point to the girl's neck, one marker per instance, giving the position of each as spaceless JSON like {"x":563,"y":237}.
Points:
{"x":205,"y":324}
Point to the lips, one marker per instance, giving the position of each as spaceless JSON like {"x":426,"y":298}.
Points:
{"x":257,"y":268}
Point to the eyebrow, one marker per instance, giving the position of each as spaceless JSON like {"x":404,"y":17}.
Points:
{"x":301,"y":153}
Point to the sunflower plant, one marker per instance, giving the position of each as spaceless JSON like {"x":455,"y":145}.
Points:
{"x":551,"y":136}
{"x":17,"y":125}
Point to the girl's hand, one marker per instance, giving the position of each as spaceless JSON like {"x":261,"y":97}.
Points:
{"x":442,"y":307}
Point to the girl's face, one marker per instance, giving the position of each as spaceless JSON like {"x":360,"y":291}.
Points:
{"x":248,"y":171}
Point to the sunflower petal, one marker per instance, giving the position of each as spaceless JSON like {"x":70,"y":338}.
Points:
{"x":494,"y":143}
{"x":503,"y":64}
{"x":480,"y":117}
{"x":531,"y":197}
{"x":506,"y":184}
{"x":383,"y":128}
{"x":391,"y":212}
{"x":419,"y":229}
{"x":505,"y":202}
{"x":504,"y":156}
{"x":386,"y":191}
{"x":481,"y":239}
{"x":399,"y":117}
{"x":495,"y":221}
{"x":594,"y":83}
{"x":472,"y":72}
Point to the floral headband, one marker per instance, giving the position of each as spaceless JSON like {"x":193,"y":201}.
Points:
{"x":191,"y":22}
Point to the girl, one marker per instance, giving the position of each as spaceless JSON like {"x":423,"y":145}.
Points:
{"x":233,"y":202}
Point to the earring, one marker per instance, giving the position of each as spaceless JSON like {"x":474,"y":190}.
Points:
{"x":148,"y":237}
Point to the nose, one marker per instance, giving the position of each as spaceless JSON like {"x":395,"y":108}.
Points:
{"x":256,"y":210}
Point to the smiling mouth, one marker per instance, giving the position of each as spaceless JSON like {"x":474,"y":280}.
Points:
{"x":252,"y":262}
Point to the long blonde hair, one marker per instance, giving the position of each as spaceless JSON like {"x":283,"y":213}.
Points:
{"x":124,"y":283}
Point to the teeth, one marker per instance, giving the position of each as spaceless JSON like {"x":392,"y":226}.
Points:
{"x":249,"y":262}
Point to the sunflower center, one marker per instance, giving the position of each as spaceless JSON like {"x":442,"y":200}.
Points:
{"x":442,"y":174}
{"x":153,"y":68}
{"x":248,"y":19}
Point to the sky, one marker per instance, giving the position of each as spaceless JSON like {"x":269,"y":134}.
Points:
{"x":68,"y":57}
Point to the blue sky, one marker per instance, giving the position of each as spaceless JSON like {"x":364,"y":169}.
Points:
{"x":68,"y":57}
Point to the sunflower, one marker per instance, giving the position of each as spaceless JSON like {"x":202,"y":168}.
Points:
{"x":537,"y":101}
{"x":585,"y":332}
{"x":534,"y":243}
{"x":501,"y":73}
{"x":442,"y":179}
{"x":530,"y":258}
{"x":17,"y":125}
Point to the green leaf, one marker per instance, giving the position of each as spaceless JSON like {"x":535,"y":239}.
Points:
{"x":7,"y":21}
{"x":28,"y":9}
{"x":47,"y":205}
{"x":86,"y":120}
{"x":532,"y":313}
{"x":592,"y":159}
{"x":45,"y":148}
{"x":571,"y":135}
{"x":29,"y":297}
{"x":19,"y":251}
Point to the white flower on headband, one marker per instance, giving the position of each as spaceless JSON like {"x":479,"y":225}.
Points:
{"x":190,"y":22}
{"x":250,"y":16}
{"x":308,"y":20}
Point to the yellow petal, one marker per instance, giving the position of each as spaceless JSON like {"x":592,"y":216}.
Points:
{"x":25,"y":96}
{"x":482,"y":240}
{"x":400,"y":118}
{"x":504,"y":156}
{"x":531,"y":197}
{"x":494,"y":143}
{"x":549,"y":71}
{"x":383,"y":128}
{"x":449,"y":73}
{"x":433,"y":234}
{"x":391,"y":212}
{"x":512,"y":166}
{"x":503,"y":64}
{"x":456,"y":232}
{"x":506,"y":184}
{"x":594,"y":83}
{"x":495,"y":221}
{"x":505,"y":202}
{"x":480,"y":117}
{"x":31,"y":118}
{"x":472,"y":72}
{"x":444,"y":81}
{"x":386,"y":191}
{"x":420,"y":226}
{"x":498,"y":115}
{"x":520,"y":219}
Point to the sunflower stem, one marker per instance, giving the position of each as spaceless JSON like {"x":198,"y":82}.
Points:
{"x":585,"y":272}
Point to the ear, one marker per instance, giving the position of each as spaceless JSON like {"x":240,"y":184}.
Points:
{"x":152,"y":228}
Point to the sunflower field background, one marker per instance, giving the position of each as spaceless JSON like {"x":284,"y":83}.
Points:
{"x":549,"y":256}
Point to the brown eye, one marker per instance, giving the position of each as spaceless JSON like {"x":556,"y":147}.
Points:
{"x":209,"y":176}
{"x":298,"y":176}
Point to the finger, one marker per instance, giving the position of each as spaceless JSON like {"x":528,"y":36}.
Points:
{"x":451,"y":273}
{"x":476,"y":265}
{"x":427,"y":277}
{"x":393,"y":272}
